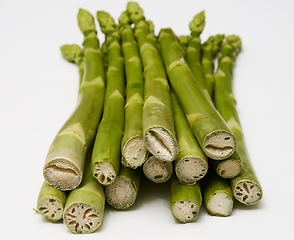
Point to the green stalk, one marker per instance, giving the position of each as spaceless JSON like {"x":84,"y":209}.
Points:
{"x":158,"y":120}
{"x":134,"y":152}
{"x":64,"y":163}
{"x":183,"y":41}
{"x":209,"y":50}
{"x":106,"y":157}
{"x":193,"y":52}
{"x":51,"y":202}
{"x":211,"y":131}
{"x":191,"y":164}
{"x":123,"y":192}
{"x":217,"y":194}
{"x":246,"y":187}
{"x":156,"y":170}
{"x":185,"y":200}
{"x":85,"y":205}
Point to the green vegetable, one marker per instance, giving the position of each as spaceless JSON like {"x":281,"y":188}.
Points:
{"x":51,"y":202}
{"x":158,"y":120}
{"x":156,"y":170}
{"x":211,"y":131}
{"x":185,"y":200}
{"x":64,"y":163}
{"x":123,"y":192}
{"x":106,"y":155}
{"x":85,"y":205}
{"x":191,"y":164}
{"x":217,"y":194}
{"x":246,"y":187}
{"x":134,"y":152}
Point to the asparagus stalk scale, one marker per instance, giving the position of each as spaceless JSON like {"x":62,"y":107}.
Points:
{"x":64,"y":163}
{"x":210,"y":129}
{"x":85,"y":205}
{"x":158,"y":121}
{"x":106,"y":157}
{"x":123,"y":192}
{"x":191,"y":164}
{"x":134,"y":152}
{"x":246,"y":187}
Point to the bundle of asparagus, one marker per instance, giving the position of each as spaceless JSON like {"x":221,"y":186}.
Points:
{"x":167,"y":114}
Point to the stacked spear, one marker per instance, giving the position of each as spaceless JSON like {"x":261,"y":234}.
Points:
{"x":151,"y":106}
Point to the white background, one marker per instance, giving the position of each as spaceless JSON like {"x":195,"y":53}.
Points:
{"x":38,"y":91}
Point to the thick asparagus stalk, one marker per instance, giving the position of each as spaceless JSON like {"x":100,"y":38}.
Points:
{"x":123,"y":192}
{"x":106,"y":157}
{"x":246,"y":187}
{"x":156,"y":170}
{"x":217,"y":194}
{"x":85,"y":205}
{"x":64,"y":163}
{"x":51,"y":202}
{"x":209,"y":50}
{"x":134,"y":152}
{"x":191,"y":164}
{"x":211,"y":131}
{"x":185,"y":200}
{"x":158,"y":121}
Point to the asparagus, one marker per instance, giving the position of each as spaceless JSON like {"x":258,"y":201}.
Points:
{"x":51,"y":202}
{"x":64,"y":163}
{"x":191,"y":164}
{"x":193,"y":52}
{"x":209,"y":50}
{"x":217,"y":194}
{"x":134,"y":152}
{"x":85,"y":205}
{"x":106,"y":155}
{"x":156,"y":170}
{"x":158,"y":120}
{"x":246,"y":187}
{"x":185,"y":200}
{"x":211,"y":131}
{"x":123,"y":192}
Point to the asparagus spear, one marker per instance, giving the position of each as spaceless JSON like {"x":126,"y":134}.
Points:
{"x":64,"y":163}
{"x":156,"y":170}
{"x":123,"y":192}
{"x":209,"y":50}
{"x":134,"y":152}
{"x":158,"y":121}
{"x":246,"y":187}
{"x":191,"y":164}
{"x":85,"y":205}
{"x":185,"y":200}
{"x":51,"y":202}
{"x":106,"y":155}
{"x":217,"y":194}
{"x":211,"y":131}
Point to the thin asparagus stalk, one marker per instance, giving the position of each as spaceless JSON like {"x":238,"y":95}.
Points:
{"x":211,"y":131}
{"x":85,"y":205}
{"x":217,"y":194}
{"x":134,"y":152}
{"x":183,"y":41}
{"x":123,"y":192}
{"x":191,"y":164}
{"x":158,"y":120}
{"x":64,"y":163}
{"x":246,"y":187}
{"x":156,"y":170}
{"x":193,"y":52}
{"x":209,"y":50}
{"x":51,"y":202}
{"x":106,"y":157}
{"x":185,"y":200}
